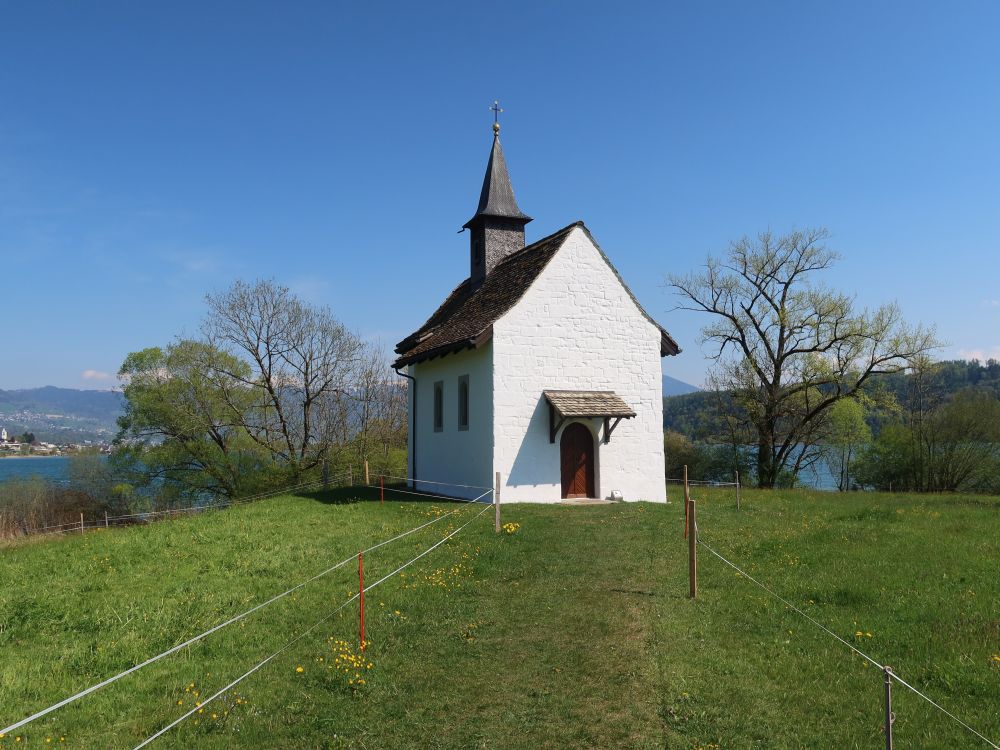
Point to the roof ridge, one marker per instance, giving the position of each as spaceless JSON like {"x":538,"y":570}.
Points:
{"x":533,"y":245}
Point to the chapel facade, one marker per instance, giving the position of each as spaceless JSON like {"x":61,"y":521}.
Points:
{"x":541,"y":366}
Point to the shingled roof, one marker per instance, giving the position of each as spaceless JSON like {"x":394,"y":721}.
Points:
{"x":497,"y":196}
{"x":465,"y":319}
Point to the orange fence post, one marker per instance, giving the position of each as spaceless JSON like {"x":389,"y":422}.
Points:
{"x":361,"y":597}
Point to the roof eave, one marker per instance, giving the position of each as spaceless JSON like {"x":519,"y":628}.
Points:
{"x":471,"y":342}
{"x":492,"y":215}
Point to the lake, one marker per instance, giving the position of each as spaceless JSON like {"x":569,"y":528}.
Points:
{"x":52,"y":468}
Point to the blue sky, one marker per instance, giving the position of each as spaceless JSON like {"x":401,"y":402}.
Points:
{"x":150,"y":153}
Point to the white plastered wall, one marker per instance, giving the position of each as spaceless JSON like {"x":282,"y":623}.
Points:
{"x":452,"y":456}
{"x":576,"y":328}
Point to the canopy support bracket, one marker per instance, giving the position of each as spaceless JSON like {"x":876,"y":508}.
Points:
{"x":609,"y":427}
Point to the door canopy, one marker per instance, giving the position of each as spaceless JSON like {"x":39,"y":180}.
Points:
{"x":606,"y":405}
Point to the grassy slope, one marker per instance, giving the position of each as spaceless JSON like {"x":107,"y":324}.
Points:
{"x":574,"y":632}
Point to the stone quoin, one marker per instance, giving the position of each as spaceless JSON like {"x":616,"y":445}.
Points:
{"x":541,"y":365}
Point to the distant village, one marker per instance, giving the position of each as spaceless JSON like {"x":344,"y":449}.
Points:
{"x":26,"y":445}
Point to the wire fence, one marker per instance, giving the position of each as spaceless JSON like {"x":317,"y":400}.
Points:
{"x":143,"y":517}
{"x":303,"y":634}
{"x":692,"y":532}
{"x":241,"y":616}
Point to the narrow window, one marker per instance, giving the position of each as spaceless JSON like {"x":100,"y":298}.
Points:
{"x":438,"y":406}
{"x":463,"y":402}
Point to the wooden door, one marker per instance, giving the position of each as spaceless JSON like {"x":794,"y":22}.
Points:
{"x":576,"y":451}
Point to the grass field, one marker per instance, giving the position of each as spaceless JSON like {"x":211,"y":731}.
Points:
{"x":574,"y":631}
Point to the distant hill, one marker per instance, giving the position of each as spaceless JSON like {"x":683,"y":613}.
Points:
{"x":61,"y":414}
{"x":675,"y":387}
{"x":696,"y":414}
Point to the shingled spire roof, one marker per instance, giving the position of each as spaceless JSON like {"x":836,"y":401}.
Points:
{"x":497,"y":197}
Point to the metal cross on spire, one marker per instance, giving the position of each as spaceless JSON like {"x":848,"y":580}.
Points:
{"x":496,"y":110}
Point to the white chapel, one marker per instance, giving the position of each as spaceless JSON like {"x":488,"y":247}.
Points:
{"x":541,"y":366}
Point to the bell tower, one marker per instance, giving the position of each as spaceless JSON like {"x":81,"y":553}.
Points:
{"x":497,"y":228}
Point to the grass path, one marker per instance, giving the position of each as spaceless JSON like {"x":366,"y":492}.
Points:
{"x":573,"y":632}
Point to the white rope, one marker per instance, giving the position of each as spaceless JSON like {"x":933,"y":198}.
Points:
{"x":820,"y":625}
{"x":301,"y":635}
{"x":787,"y":603}
{"x":445,"y":484}
{"x":75,"y":526}
{"x":704,"y":482}
{"x":439,"y":497}
{"x":208,"y":632}
{"x":946,"y":712}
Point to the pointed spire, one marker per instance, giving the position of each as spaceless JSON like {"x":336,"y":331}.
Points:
{"x":497,"y":196}
{"x":497,"y":229}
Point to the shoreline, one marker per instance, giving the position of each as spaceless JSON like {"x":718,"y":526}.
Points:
{"x":35,"y":455}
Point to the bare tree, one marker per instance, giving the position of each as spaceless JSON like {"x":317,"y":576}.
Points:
{"x":787,"y":348}
{"x":303,"y":364}
{"x":380,"y":407}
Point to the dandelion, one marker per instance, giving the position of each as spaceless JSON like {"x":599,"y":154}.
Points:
{"x":300,"y":670}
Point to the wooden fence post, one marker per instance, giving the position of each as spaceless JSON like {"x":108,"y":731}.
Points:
{"x":105,"y":519}
{"x":81,"y":523}
{"x":737,"y":490}
{"x":693,"y":551}
{"x":496,"y":504}
{"x":367,"y":483}
{"x":687,"y":499}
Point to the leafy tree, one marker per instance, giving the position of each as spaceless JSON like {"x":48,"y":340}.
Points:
{"x":180,"y":433}
{"x":27,"y":438}
{"x":954,"y":446}
{"x":789,"y":348}
{"x":275,"y":390}
{"x":962,"y":442}
{"x":847,"y":434}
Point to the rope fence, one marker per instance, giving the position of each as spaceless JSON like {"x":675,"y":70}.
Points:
{"x":235,"y":619}
{"x":152,"y":515}
{"x":306,"y":632}
{"x":885,"y":669}
{"x":693,"y":535}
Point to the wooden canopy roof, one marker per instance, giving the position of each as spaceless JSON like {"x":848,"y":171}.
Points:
{"x":606,"y":405}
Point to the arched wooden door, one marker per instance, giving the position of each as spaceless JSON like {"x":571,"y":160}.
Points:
{"x":576,"y":452}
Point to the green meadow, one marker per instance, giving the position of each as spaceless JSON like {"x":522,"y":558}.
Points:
{"x":575,"y":630}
